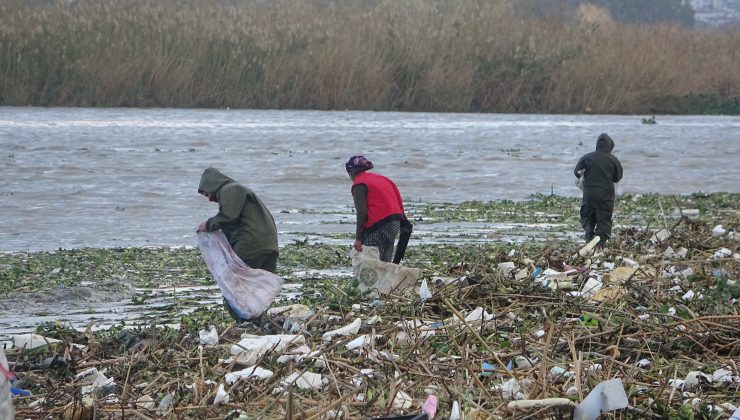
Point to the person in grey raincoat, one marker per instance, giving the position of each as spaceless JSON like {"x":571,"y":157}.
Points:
{"x":600,"y":171}
{"x":243,"y":218}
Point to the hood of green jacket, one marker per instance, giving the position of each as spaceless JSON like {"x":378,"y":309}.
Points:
{"x":212,"y":180}
{"x":604,"y":143}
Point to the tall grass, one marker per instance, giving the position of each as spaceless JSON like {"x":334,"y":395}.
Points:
{"x":415,"y":55}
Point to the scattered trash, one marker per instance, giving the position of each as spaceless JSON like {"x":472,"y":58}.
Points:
{"x":252,"y":347}
{"x":487,"y":369}
{"x":430,"y":406}
{"x":32,"y":341}
{"x":718,"y":231}
{"x":250,"y":372}
{"x":688,"y":295}
{"x":92,"y":379}
{"x":589,"y":247}
{"x":660,"y":236}
{"x":506,"y":268}
{"x":350,"y":329}
{"x":511,"y":390}
{"x":455,"y":411}
{"x":424,"y":292}
{"x":606,"y":396}
{"x":722,"y":376}
{"x":208,"y":336}
{"x":402,"y":400}
{"x":222,"y":397}
{"x":722,"y":253}
{"x":695,"y":379}
{"x":381,"y":276}
{"x":305,"y":380}
{"x":540,"y":404}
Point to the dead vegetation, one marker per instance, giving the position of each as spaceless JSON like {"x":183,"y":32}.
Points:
{"x":664,"y":320}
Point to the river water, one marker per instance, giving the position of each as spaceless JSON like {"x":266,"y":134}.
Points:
{"x":74,"y":177}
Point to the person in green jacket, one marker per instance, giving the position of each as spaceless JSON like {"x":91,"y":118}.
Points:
{"x":600,"y":170}
{"x":243,"y":218}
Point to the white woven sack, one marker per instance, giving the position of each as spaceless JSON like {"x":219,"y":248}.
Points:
{"x":383,"y":276}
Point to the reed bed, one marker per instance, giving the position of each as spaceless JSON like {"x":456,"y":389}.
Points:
{"x":416,"y":55}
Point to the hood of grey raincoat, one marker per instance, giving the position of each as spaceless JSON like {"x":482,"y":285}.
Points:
{"x":212,"y":180}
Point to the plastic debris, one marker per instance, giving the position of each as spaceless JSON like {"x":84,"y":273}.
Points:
{"x":506,"y":268}
{"x":455,"y":411}
{"x":430,"y":406}
{"x":384,"y":277}
{"x":722,"y":376}
{"x":588,"y":249}
{"x":297,"y":311}
{"x":252,"y":347}
{"x":221,"y":396}
{"x":688,"y":295}
{"x":424,"y":292}
{"x":92,"y":379}
{"x":487,"y":369}
{"x":606,"y":396}
{"x":540,"y":404}
{"x":32,"y":341}
{"x":361,"y":341}
{"x":511,"y":390}
{"x":643,"y":363}
{"x":722,"y":253}
{"x":306,"y":380}
{"x":695,"y":379}
{"x":349,"y":329}
{"x":250,"y":372}
{"x":208,"y":336}
{"x":660,"y":236}
{"x":718,"y":231}
{"x":145,"y":402}
{"x":402,"y":400}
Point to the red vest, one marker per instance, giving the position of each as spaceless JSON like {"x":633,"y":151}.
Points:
{"x":383,"y":197}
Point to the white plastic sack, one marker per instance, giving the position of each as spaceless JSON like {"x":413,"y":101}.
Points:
{"x":249,"y":291}
{"x":580,"y":179}
{"x":383,"y":276}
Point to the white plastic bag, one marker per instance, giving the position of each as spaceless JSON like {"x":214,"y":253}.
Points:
{"x":249,"y":291}
{"x":383,"y":276}
{"x":581,"y":179}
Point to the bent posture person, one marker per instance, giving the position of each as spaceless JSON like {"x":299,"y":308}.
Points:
{"x":243,"y":218}
{"x":379,"y":207}
{"x":601,"y":170}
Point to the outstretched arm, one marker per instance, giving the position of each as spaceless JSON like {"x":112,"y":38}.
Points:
{"x":359,"y":196}
{"x":231,"y":201}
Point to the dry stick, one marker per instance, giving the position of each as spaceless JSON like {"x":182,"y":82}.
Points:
{"x":316,"y":413}
{"x":577,"y":367}
{"x":478,"y":337}
{"x":543,"y":362}
{"x":124,"y":393}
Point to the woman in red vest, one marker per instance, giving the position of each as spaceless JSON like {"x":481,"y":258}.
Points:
{"x":379,"y":207}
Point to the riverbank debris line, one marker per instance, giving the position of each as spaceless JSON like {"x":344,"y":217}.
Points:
{"x":501,"y":336}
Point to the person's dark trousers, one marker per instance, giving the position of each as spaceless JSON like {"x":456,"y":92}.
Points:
{"x":267,"y":261}
{"x":596,"y":219}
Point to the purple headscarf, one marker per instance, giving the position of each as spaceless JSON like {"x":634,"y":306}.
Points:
{"x":357,"y":164}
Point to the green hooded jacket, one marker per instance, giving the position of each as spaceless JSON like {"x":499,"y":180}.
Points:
{"x":242,"y":216}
